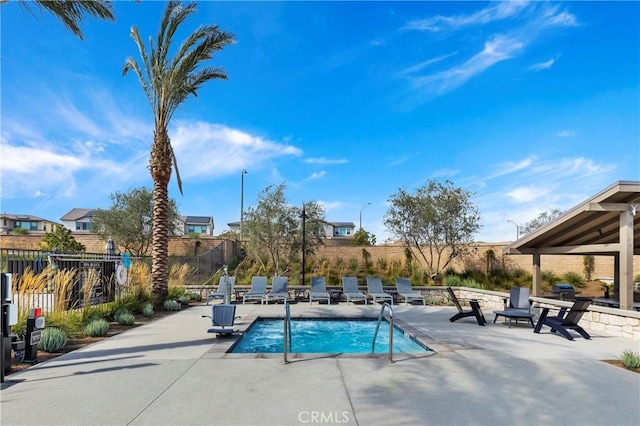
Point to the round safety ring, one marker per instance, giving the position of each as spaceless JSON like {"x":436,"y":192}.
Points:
{"x":121,"y":275}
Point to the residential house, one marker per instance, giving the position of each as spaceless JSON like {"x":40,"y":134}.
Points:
{"x":78,"y":220}
{"x":339,"y":230}
{"x":202,"y":225}
{"x":33,"y":224}
{"x":332,"y":230}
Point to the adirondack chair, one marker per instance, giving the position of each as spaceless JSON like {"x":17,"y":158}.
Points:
{"x":463,"y":313}
{"x":566,"y":319}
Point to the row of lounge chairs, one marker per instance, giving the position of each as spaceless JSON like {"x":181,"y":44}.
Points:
{"x":318,"y":291}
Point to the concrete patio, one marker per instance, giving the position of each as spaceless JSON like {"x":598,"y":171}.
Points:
{"x":173,"y":372}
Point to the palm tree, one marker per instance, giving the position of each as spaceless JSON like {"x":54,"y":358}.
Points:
{"x":167,"y":82}
{"x":71,"y":12}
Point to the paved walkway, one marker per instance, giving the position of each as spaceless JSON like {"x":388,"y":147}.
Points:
{"x":171,"y":372}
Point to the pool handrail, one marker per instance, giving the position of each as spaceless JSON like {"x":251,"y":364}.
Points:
{"x":287,"y":331}
{"x":375,"y":335}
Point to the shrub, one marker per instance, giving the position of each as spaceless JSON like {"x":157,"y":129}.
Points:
{"x":97,"y":328}
{"x":176,"y":292}
{"x":196,"y":297}
{"x":52,"y":339}
{"x":70,"y":322}
{"x":185,"y":299}
{"x":573,"y":278}
{"x":124,"y":317}
{"x":147,"y":310}
{"x":171,"y":305}
{"x":630,"y":359}
{"x":550,"y":277}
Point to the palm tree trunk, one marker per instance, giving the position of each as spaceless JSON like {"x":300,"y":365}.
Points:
{"x":160,"y":165}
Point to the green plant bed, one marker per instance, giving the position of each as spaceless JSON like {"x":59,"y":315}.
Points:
{"x":97,"y":328}
{"x":52,"y":339}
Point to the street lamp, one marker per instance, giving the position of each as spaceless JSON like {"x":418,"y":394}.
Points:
{"x":244,"y":172}
{"x":368,"y":204}
{"x":517,"y":228}
{"x":303,"y":216}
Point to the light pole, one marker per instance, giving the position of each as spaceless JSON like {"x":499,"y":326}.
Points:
{"x":361,"y":213}
{"x":517,"y":228}
{"x":303,"y":216}
{"x":244,"y":172}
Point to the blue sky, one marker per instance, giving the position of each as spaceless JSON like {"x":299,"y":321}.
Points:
{"x":530,"y":105}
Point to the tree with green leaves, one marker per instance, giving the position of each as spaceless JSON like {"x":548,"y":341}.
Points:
{"x":61,"y":241}
{"x":167,"y":82}
{"x":129,"y":220}
{"x":70,"y":12}
{"x":438,"y":221}
{"x":363,"y":238}
{"x":541,"y":220}
{"x":273,"y":230}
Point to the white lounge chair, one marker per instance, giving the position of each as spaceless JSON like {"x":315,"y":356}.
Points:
{"x":222,"y":319}
{"x":403,"y":286}
{"x":222,"y":288}
{"x":350,"y":289}
{"x":374,"y":289}
{"x":258,"y":290}
{"x":279,"y":290}
{"x":319,"y":290}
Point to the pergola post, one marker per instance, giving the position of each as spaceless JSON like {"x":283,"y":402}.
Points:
{"x":626,"y":260}
{"x":537,"y":275}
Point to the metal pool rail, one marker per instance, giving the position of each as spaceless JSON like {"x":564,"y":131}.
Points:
{"x":375,"y":335}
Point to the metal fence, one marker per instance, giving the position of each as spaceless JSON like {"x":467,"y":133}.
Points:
{"x":85,"y":266}
{"x":91,"y":266}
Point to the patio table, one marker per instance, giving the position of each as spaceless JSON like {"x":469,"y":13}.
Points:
{"x":514,"y":313}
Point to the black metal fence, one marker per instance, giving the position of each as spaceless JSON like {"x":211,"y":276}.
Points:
{"x":97,"y":267}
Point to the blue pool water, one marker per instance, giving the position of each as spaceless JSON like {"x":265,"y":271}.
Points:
{"x":324,"y":336}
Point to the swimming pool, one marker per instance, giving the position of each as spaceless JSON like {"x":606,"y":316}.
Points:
{"x":325,"y":336}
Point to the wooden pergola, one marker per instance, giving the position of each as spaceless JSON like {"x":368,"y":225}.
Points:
{"x":606,"y":224}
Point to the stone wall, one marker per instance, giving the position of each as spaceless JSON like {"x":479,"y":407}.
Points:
{"x":603,"y":265}
{"x":184,"y":246}
{"x":599,"y":319}
{"x":178,"y":246}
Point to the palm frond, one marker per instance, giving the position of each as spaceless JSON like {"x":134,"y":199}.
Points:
{"x":71,"y":12}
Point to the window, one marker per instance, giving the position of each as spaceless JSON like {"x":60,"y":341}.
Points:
{"x":83,"y":226}
{"x":197,"y":229}
{"x":30,"y":226}
{"x":341,"y":231}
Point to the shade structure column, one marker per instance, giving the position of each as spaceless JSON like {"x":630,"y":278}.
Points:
{"x":537,"y":275}
{"x":626,"y":259}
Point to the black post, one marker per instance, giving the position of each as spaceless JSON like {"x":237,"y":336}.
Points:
{"x":304,"y":242}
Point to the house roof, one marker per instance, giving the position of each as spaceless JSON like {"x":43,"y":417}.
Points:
{"x":199,"y":219}
{"x":28,"y":217}
{"x":592,"y":227}
{"x":77,"y":213}
{"x":342,"y":224}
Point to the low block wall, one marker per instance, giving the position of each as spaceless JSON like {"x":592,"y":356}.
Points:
{"x":600,"y":319}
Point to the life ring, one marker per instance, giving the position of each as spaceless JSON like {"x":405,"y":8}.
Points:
{"x":121,"y":274}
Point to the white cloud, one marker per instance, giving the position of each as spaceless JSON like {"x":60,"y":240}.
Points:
{"x":494,"y":12}
{"x":217,"y":150}
{"x":512,"y":167}
{"x":566,"y":134}
{"x":495,"y":50}
{"x":316,"y":175}
{"x":418,"y":67}
{"x":498,"y":47}
{"x":331,"y":205}
{"x":542,"y":65}
{"x":323,"y":160}
{"x":527,"y":194}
